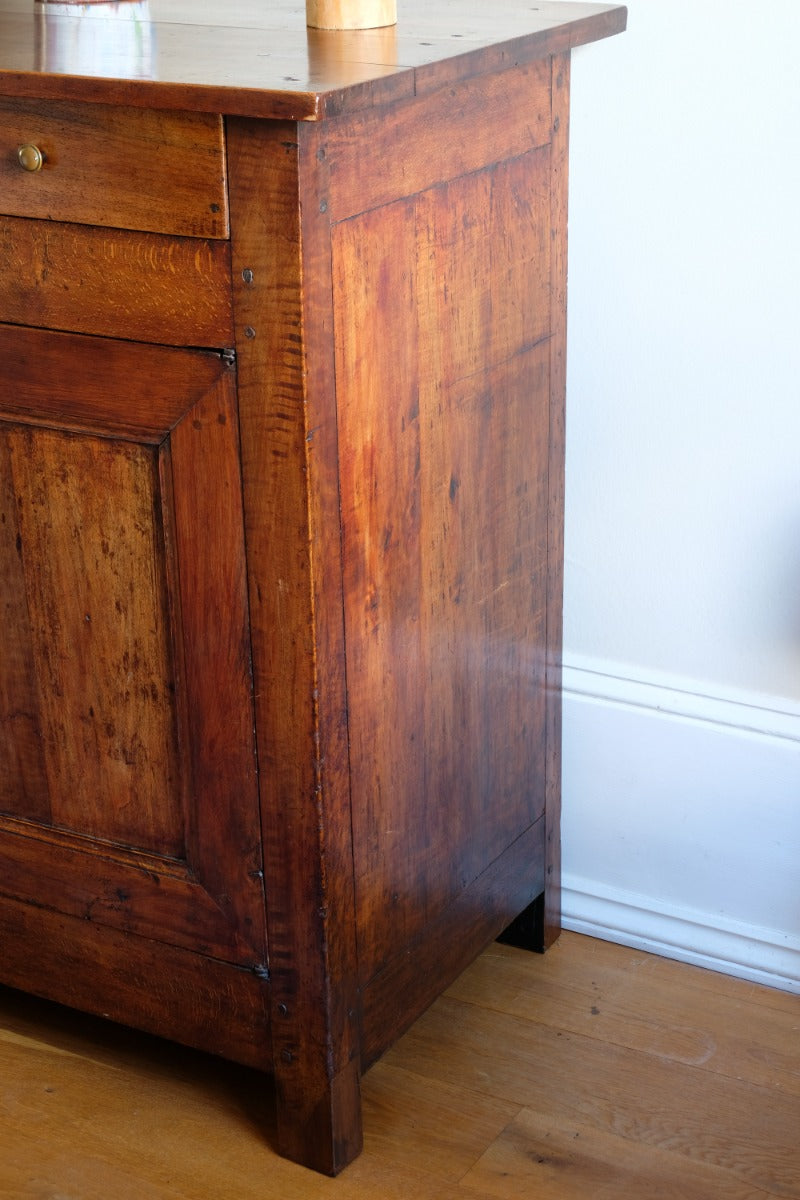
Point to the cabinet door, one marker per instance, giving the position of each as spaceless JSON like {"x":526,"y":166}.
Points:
{"x":128,"y":790}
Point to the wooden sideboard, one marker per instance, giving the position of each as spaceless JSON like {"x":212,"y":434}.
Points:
{"x":282,"y":336}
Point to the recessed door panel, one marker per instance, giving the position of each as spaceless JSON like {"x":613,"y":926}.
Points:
{"x":95,"y":615}
{"x":128,"y":792}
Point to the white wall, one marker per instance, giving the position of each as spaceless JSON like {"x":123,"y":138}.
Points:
{"x":682,"y":591}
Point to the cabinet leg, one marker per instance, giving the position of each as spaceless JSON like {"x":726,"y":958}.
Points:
{"x":527,"y":931}
{"x":325,"y":1136}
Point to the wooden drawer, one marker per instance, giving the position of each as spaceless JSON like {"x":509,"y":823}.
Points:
{"x":122,"y":167}
{"x":146,"y":287}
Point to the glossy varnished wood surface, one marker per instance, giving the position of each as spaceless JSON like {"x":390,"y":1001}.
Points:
{"x":103,"y":165}
{"x":257,"y":58}
{"x":79,"y":659}
{"x":443,"y":431}
{"x":285,"y":386}
{"x":446,"y":483}
{"x":141,"y":286}
{"x":121,"y":550}
{"x":348,"y":533}
{"x":593,"y":1071}
{"x":194,"y":999}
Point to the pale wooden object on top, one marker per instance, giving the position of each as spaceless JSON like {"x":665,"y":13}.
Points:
{"x":351,"y":14}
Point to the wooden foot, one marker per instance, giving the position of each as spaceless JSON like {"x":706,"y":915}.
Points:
{"x":526,"y":931}
{"x":329,"y":1136}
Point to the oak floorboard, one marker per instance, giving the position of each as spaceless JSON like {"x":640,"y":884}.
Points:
{"x":89,"y":1111}
{"x":748,"y":1131}
{"x":542,"y":1158}
{"x":448,"y":1127}
{"x":632,"y":999}
{"x":508,"y":1087}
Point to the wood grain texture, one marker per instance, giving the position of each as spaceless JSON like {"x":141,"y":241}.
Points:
{"x":143,"y":894}
{"x":287,"y":418}
{"x":694,"y":1018}
{"x":210,"y":582}
{"x":188,"y":997}
{"x":145,"y":287}
{"x":96,"y":611}
{"x":412,"y":979}
{"x":111,"y":166}
{"x":124,"y":573}
{"x":341,"y":14}
{"x":23,"y":779}
{"x":675,"y":1080}
{"x":254,"y":59}
{"x":407,"y":139}
{"x":328,"y":599}
{"x":443,"y":376}
{"x":326,"y":568}
{"x":63,"y":380}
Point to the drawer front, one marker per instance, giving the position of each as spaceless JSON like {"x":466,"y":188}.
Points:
{"x":128,"y":168}
{"x":146,"y":287}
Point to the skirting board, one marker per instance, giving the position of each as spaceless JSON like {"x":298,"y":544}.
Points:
{"x":746,"y":951}
{"x":681,"y":824}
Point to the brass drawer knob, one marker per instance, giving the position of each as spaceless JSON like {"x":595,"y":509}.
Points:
{"x":30,"y":157}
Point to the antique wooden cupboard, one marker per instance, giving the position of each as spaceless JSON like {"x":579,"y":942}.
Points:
{"x":282,"y":328}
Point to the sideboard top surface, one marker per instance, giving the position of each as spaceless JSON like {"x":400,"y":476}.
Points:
{"x":257,"y":58}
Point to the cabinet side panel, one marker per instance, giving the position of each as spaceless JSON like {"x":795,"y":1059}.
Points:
{"x":422,"y":140}
{"x":380,"y":423}
{"x":394,"y":998}
{"x":443,"y":388}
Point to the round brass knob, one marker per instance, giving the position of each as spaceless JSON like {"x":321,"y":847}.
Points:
{"x":30,"y":157}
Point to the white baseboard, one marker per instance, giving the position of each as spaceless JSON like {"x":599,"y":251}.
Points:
{"x":746,"y":951}
{"x":681,"y":828}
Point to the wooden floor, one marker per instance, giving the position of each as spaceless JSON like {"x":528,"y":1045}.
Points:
{"x":593,"y":1073}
